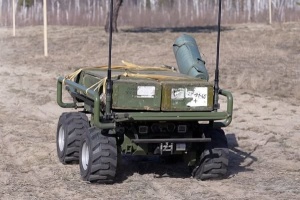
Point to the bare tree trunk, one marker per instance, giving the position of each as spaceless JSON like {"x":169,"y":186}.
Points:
{"x":117,"y":5}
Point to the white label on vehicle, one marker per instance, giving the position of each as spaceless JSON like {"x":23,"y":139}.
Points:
{"x":189,"y":93}
{"x":199,"y":96}
{"x":177,"y":93}
{"x":180,"y":147}
{"x":145,"y":91}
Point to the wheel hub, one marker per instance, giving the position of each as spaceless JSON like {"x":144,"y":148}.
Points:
{"x":85,"y":156}
{"x":61,"y":138}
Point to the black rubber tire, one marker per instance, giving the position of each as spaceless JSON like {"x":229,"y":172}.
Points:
{"x":73,"y":125}
{"x":101,"y":164}
{"x":213,"y":162}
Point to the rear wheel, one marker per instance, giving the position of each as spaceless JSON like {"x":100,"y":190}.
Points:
{"x":98,"y":157}
{"x":70,"y":128}
{"x":213,"y":162}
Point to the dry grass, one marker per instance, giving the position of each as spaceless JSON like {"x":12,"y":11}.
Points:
{"x":259,"y":64}
{"x":254,"y":58}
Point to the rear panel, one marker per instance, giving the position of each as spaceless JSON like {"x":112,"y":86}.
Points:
{"x":167,"y":94}
{"x":187,"y":96}
{"x":136,"y":94}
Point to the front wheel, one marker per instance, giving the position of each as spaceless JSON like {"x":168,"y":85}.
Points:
{"x":213,"y":162}
{"x":69,"y":130}
{"x":98,"y":156}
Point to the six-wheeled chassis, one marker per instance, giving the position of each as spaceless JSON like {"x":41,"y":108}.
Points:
{"x":97,"y":141}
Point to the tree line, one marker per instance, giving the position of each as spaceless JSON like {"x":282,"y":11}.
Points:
{"x":159,"y":13}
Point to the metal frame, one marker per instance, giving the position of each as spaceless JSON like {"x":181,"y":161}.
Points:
{"x":171,"y":140}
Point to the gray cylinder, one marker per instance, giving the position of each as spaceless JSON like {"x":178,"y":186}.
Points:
{"x":188,"y":57}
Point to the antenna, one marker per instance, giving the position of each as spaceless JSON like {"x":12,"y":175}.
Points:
{"x":216,"y":86}
{"x":108,"y":81}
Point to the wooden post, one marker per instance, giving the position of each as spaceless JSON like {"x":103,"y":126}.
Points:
{"x":14,"y":17}
{"x":45,"y":29}
{"x":270,"y":11}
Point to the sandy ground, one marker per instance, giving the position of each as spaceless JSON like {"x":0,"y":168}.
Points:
{"x":259,"y":64}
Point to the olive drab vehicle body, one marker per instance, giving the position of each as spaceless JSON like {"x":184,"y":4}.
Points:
{"x":141,"y":110}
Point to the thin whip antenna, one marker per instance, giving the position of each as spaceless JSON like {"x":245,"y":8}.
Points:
{"x":216,"y":86}
{"x":109,"y":82}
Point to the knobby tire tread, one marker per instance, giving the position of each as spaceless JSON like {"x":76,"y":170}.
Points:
{"x":213,"y":162}
{"x":76,"y":123}
{"x":103,"y":159}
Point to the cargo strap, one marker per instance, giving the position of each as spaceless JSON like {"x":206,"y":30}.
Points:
{"x":102,"y":82}
{"x":127,"y":66}
{"x":155,"y":77}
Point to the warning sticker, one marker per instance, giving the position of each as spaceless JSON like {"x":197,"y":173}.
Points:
{"x":177,"y":93}
{"x":199,"y":95}
{"x":189,"y":93}
{"x":145,"y":91}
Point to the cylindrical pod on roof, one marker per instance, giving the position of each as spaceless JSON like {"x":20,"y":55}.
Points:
{"x":188,"y":57}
